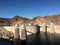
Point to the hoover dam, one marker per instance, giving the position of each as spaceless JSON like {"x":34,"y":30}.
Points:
{"x":20,"y":28}
{"x":50,"y":33}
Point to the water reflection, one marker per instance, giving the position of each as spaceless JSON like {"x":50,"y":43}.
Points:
{"x":51,"y":39}
{"x":6,"y":42}
{"x":35,"y":39}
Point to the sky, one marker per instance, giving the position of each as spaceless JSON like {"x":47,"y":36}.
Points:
{"x":29,"y":8}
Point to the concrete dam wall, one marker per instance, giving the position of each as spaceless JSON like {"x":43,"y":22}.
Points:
{"x":50,"y":33}
{"x":47,"y":32}
{"x":23,"y":31}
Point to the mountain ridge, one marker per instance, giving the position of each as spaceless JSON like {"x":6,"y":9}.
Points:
{"x":55,"y":19}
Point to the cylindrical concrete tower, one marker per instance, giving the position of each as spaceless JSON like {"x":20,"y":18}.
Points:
{"x":23,"y":32}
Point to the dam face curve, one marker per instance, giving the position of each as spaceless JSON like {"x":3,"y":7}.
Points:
{"x":50,"y":33}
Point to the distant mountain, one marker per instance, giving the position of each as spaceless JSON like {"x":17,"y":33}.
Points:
{"x":38,"y":20}
{"x":19,"y":20}
{"x":55,"y":19}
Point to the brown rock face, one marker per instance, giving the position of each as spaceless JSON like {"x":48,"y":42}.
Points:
{"x":4,"y":22}
{"x":55,"y":19}
{"x":19,"y":20}
{"x":38,"y":20}
{"x":4,"y":32}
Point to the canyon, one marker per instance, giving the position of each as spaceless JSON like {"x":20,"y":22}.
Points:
{"x":38,"y":20}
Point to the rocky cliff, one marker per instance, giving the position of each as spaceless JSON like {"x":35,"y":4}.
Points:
{"x":55,"y":19}
{"x":4,"y":21}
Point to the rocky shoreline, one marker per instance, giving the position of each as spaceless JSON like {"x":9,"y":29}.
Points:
{"x":6,"y":34}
